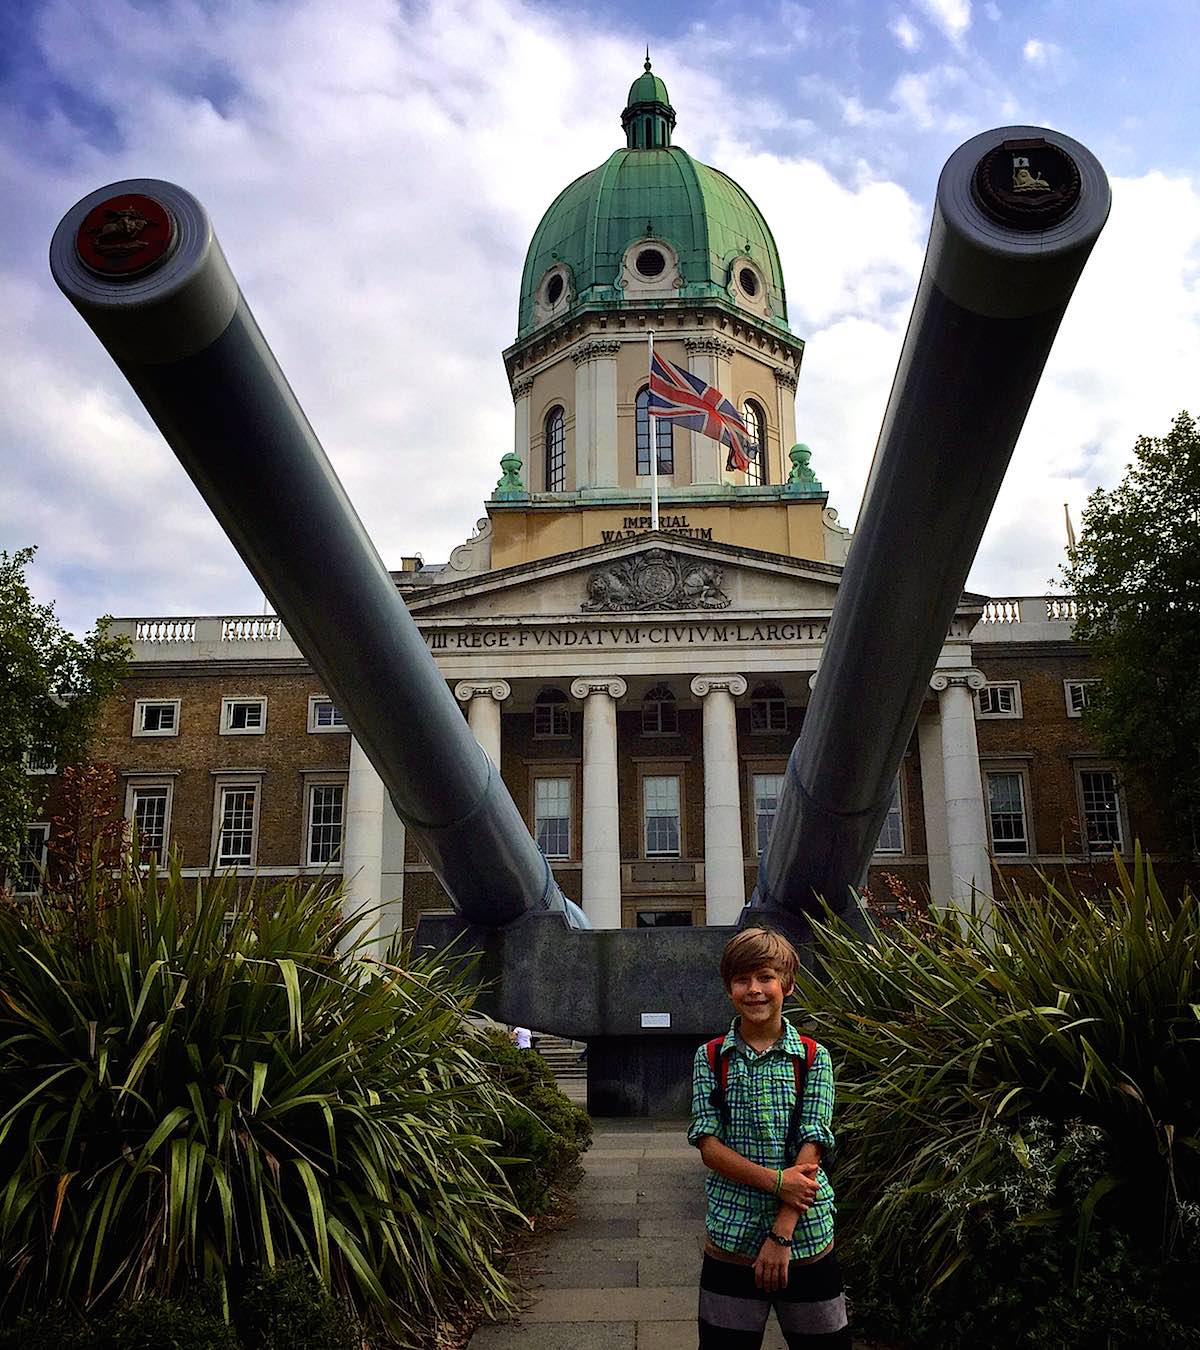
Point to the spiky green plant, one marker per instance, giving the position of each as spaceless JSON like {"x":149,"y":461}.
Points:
{"x":196,"y":1083}
{"x":1074,"y":1019}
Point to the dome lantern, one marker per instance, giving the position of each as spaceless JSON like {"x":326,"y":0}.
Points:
{"x":648,"y":118}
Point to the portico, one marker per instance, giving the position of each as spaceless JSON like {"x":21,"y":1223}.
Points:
{"x":645,"y":747}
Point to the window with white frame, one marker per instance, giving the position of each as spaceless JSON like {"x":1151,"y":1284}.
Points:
{"x":660,"y":810}
{"x":236,"y":824}
{"x":26,"y":877}
{"x":326,"y":823}
{"x":768,"y":709}
{"x":324,"y":715}
{"x":1100,"y":798}
{"x":757,"y":473}
{"x":156,"y":717}
{"x":1078,"y":695}
{"x":767,"y":787}
{"x":243,"y":716}
{"x":552,"y":816}
{"x":891,"y":837}
{"x":1007,"y":820}
{"x":551,"y":714}
{"x":148,"y":809}
{"x":40,"y":759}
{"x":999,"y":700}
{"x":660,"y":717}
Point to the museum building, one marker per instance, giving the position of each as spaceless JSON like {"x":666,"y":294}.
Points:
{"x":640,"y":690}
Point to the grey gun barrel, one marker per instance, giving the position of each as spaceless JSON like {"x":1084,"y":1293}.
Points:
{"x":140,"y":262}
{"x":1016,"y":214}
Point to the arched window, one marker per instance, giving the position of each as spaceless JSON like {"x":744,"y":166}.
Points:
{"x":660,"y":717}
{"x":556,"y":451}
{"x":664,"y":434}
{"x":756,"y":424}
{"x":551,"y":714}
{"x":768,"y":709}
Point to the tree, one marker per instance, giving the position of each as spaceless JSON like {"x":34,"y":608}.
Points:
{"x":52,"y":687}
{"x":1135,"y":573}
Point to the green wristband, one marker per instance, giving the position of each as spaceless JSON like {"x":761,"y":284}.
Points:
{"x":778,"y":1181}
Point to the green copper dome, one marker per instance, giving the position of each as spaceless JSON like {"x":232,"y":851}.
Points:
{"x":653,"y":192}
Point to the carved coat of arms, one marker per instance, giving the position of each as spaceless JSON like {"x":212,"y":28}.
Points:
{"x":656,"y":579}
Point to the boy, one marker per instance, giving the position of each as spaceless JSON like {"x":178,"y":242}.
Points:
{"x":770,"y":1205}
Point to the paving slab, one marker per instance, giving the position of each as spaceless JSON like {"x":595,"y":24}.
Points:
{"x":676,"y":1226}
{"x":682,"y":1336}
{"x":613,"y":1305}
{"x":558,"y":1336}
{"x":611,"y":1167}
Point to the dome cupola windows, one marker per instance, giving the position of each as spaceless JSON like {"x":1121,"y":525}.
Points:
{"x":650,"y":268}
{"x":748,"y":286}
{"x":555,"y":292}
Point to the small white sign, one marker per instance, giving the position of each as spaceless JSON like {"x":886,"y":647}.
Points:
{"x":656,"y":1019}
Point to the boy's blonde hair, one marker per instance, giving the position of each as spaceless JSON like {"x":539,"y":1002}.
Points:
{"x":754,"y":948}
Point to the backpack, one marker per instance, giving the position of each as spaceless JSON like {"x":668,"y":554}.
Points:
{"x":719,"y":1064}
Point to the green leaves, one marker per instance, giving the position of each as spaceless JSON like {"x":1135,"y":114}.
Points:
{"x":1035,"y":1073}
{"x":52,"y":686}
{"x":183,"y":1098}
{"x":1136,"y":578}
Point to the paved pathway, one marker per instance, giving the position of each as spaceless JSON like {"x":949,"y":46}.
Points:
{"x":623,"y":1274}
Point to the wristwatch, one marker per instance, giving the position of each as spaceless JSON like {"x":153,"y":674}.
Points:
{"x":779,"y":1239}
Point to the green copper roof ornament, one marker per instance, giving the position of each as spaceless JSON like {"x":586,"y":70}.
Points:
{"x":510,"y":488}
{"x":802,"y":479}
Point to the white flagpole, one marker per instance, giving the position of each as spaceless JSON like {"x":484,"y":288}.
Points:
{"x":652,"y":425}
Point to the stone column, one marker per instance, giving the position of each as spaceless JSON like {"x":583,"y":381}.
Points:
{"x":362,"y":851}
{"x":596,"y":413}
{"x":785,"y":385}
{"x":708,"y":358}
{"x":522,"y":441}
{"x":724,"y":874}
{"x":966,"y":820}
{"x":933,"y":795}
{"x":601,"y":850}
{"x":483,"y":699}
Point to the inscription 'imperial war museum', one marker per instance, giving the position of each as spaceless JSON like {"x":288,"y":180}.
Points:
{"x":639,"y":635}
{"x":632,"y":526}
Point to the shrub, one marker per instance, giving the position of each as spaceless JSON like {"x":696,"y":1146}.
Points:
{"x":162,"y":1324}
{"x":287,"y":1307}
{"x":544,"y":1132}
{"x":1019,"y":1118}
{"x":186,"y":1098}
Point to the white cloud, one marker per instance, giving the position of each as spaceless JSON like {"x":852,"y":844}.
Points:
{"x":953,"y":17}
{"x":906,"y":33}
{"x":1037,"y":53}
{"x":375,"y":173}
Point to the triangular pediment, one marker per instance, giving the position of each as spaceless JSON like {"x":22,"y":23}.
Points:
{"x":653,"y":573}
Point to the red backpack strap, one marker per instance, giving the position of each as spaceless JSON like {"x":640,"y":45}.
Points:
{"x":719,"y":1064}
{"x":800,"y":1067}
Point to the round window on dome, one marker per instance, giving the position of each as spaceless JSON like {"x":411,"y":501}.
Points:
{"x":650,"y":263}
{"x":748,"y":282}
{"x":554,"y":289}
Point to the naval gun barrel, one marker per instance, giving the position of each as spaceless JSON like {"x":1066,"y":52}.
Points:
{"x":1016,"y":214}
{"x":139,"y":260}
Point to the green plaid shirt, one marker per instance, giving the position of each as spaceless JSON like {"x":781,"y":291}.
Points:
{"x":759,"y":1094}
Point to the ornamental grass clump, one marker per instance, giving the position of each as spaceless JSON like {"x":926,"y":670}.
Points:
{"x":1019,"y":1118}
{"x":197,"y":1084}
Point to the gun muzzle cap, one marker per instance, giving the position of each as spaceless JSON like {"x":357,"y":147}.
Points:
{"x":126,"y":236}
{"x":1027,"y":183}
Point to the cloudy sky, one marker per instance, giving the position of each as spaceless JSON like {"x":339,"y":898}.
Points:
{"x":375,"y":169}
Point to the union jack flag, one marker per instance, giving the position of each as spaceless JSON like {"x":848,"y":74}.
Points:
{"x":687,"y":401}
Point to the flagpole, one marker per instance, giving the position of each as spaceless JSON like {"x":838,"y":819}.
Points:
{"x":652,"y":426}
